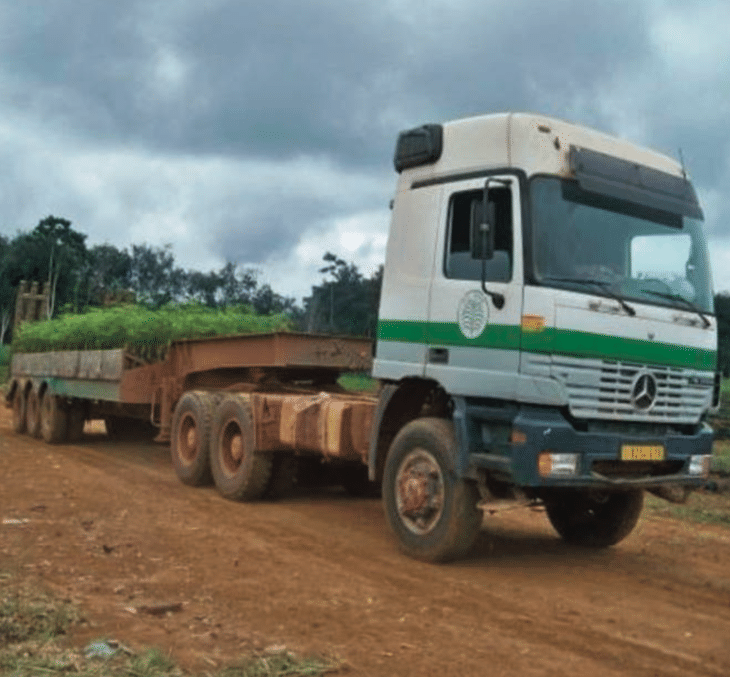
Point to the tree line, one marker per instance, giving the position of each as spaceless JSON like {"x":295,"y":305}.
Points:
{"x":81,"y":277}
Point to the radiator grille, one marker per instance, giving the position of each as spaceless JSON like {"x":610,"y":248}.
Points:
{"x":602,"y":389}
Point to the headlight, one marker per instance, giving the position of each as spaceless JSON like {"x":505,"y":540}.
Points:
{"x":699,"y":465}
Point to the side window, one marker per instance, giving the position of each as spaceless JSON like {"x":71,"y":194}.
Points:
{"x":459,"y":263}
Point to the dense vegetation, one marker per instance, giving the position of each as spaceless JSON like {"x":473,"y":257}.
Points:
{"x":82,"y":278}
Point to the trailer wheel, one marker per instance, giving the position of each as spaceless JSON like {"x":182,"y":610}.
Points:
{"x":19,"y":411}
{"x":54,"y":419}
{"x":33,"y":413}
{"x":191,"y":432}
{"x":76,"y":420}
{"x":594,"y":519}
{"x":238,"y":471}
{"x":433,"y":514}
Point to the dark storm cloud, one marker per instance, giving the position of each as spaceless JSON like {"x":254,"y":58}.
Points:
{"x":286,"y":77}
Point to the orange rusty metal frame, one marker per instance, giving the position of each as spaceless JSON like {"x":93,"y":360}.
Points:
{"x":237,"y":362}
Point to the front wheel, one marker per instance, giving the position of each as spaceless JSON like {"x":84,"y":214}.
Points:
{"x":433,"y":513}
{"x":593,"y":518}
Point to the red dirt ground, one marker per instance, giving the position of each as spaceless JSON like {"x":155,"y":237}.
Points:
{"x":108,"y":526}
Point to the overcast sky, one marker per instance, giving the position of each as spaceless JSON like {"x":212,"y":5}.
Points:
{"x":263,"y":132}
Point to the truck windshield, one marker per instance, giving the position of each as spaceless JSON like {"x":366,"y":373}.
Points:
{"x":625,"y":249}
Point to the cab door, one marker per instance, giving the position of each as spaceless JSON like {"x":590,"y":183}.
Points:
{"x":473,"y":337}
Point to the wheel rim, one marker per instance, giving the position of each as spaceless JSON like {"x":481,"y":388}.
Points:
{"x":419,"y":496}
{"x":187,"y":439}
{"x":231,"y":448}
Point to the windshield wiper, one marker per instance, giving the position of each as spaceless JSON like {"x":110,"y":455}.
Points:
{"x":601,"y":284}
{"x":676,"y":297}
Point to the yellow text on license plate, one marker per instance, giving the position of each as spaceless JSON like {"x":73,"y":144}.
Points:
{"x":642,"y":452}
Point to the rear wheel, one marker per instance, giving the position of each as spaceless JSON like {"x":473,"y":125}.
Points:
{"x":191,"y":433}
{"x":19,"y":411}
{"x":54,"y":419}
{"x":33,"y":413}
{"x":592,"y":518}
{"x":433,"y":514}
{"x":238,"y":471}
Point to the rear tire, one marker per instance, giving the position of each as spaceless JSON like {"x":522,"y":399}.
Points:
{"x":33,"y":413}
{"x":239,"y":473}
{"x":594,"y":519}
{"x":19,"y":411}
{"x":433,"y":514}
{"x":54,"y":419}
{"x":191,"y":434}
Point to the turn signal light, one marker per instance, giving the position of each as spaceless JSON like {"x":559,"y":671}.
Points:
{"x":550,"y":464}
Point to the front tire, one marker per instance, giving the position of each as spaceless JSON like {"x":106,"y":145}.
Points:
{"x":432,"y":513}
{"x":594,"y":519}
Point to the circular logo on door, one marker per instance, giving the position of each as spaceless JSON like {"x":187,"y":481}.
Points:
{"x":473,"y":314}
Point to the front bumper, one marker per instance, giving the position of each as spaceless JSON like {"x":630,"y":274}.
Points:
{"x":536,"y":430}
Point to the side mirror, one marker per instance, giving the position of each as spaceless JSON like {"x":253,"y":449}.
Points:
{"x":482,"y":228}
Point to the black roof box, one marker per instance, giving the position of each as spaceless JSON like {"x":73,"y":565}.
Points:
{"x":418,"y":146}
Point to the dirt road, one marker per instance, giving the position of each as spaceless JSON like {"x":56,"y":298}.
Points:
{"x":109,"y":526}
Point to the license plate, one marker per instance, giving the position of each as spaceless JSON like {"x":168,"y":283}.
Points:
{"x":642,"y":452}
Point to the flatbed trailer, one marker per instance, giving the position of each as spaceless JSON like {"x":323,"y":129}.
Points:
{"x":278,"y":393}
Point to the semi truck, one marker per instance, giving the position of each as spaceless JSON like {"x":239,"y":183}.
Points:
{"x":546,"y":333}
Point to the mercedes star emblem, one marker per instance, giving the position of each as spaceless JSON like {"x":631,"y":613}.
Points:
{"x":643,"y":394}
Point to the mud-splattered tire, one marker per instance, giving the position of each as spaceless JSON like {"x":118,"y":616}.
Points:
{"x":33,"y":413}
{"x":54,"y":419}
{"x":19,"y":411}
{"x":192,"y":426}
{"x":594,"y":519}
{"x":284,"y":468}
{"x":238,"y":471}
{"x":433,"y":514}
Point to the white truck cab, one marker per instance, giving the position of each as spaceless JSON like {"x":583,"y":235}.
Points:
{"x":546,"y":297}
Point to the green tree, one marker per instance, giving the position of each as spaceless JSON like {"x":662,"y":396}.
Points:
{"x":346,"y":302}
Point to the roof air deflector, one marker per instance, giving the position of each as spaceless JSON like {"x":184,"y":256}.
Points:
{"x":607,"y":175}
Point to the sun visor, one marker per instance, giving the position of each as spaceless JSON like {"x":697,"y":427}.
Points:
{"x":607,"y":175}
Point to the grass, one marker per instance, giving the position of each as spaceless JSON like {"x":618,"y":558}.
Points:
{"x":33,"y":626}
{"x":702,"y":506}
{"x":358,"y":382}
{"x":721,"y":458}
